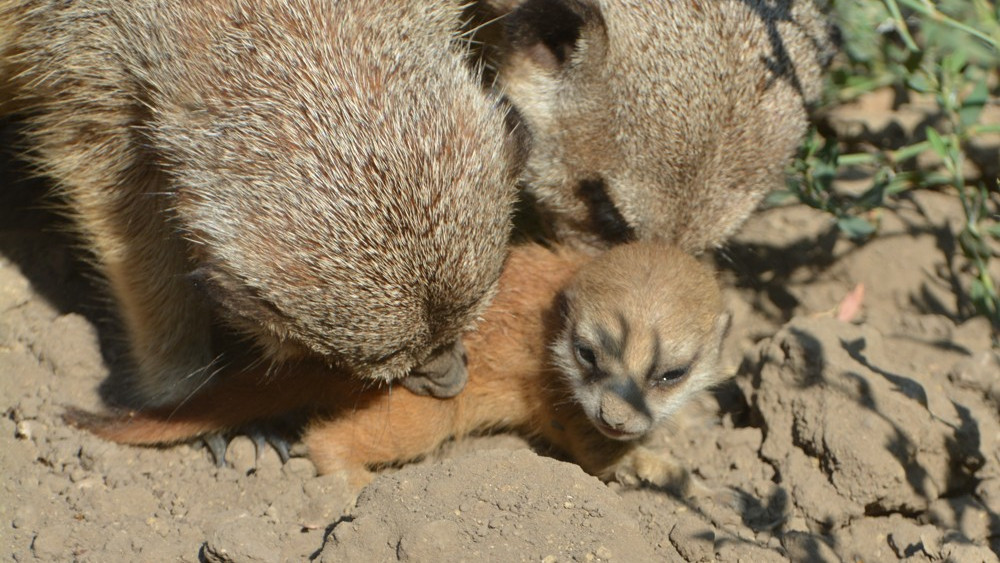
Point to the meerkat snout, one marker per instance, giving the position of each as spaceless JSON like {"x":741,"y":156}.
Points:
{"x":636,"y":348}
{"x":623,"y":413}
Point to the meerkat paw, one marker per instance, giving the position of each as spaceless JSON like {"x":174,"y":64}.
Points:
{"x":356,"y":476}
{"x":332,"y":455}
{"x":659,"y":469}
{"x":443,"y":376}
{"x":263,"y":437}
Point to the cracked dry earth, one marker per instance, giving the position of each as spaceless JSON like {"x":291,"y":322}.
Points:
{"x":871,"y":440}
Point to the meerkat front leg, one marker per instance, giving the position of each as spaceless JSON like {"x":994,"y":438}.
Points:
{"x":340,"y":446}
{"x":123,"y":210}
{"x":169,"y":331}
{"x":378,"y":427}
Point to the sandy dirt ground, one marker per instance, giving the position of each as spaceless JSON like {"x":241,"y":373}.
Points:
{"x":871,"y":440}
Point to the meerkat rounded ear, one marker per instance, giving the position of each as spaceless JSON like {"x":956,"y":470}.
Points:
{"x":549,"y":32}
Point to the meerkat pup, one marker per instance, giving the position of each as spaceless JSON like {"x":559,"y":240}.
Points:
{"x":663,"y":120}
{"x":589,"y":355}
{"x":326,"y":178}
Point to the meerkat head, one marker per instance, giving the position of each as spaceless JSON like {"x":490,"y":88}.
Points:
{"x":643,"y":325}
{"x":379,"y":271}
{"x":347,"y":188}
{"x":666,"y":119}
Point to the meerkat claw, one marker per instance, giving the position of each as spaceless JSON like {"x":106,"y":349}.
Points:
{"x":262,"y":438}
{"x":217,"y":445}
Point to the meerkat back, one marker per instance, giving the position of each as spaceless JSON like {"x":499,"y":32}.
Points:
{"x":660,"y":120}
{"x":326,"y":177}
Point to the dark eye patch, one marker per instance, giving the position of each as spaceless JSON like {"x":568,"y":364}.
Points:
{"x":605,"y":219}
{"x":554,"y":25}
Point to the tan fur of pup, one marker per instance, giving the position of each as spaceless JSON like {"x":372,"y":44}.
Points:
{"x":650,"y":316}
{"x":326,"y":177}
{"x":660,"y":120}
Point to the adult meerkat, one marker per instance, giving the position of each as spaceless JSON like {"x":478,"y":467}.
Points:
{"x":590,"y":355}
{"x":666,"y":120}
{"x":326,"y":177}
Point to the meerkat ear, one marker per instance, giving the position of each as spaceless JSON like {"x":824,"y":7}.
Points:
{"x":549,"y":32}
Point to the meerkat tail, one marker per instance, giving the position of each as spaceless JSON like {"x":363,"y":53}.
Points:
{"x":237,"y":400}
{"x":142,"y":428}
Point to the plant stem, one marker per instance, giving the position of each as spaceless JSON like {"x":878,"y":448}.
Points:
{"x":910,"y":151}
{"x":901,"y":25}
{"x":925,"y":8}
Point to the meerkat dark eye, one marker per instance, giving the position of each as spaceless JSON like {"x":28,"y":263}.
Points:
{"x":671,"y":376}
{"x":584,"y":354}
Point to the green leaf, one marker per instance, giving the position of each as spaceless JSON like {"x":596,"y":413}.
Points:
{"x":855,"y":227}
{"x":830,"y":151}
{"x":981,"y":297}
{"x":899,"y":183}
{"x":919,"y":83}
{"x":824,"y":176}
{"x":937,"y":142}
{"x":973,"y":104}
{"x":977,"y":291}
{"x":973,"y":246}
{"x":779,"y":197}
{"x":874,"y":196}
{"x":993,"y":230}
{"x":811,"y":144}
{"x":953,"y":62}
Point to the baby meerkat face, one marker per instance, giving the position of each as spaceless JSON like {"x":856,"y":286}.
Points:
{"x":643,"y":328}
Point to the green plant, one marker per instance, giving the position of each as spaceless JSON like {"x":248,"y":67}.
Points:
{"x":947,"y":52}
